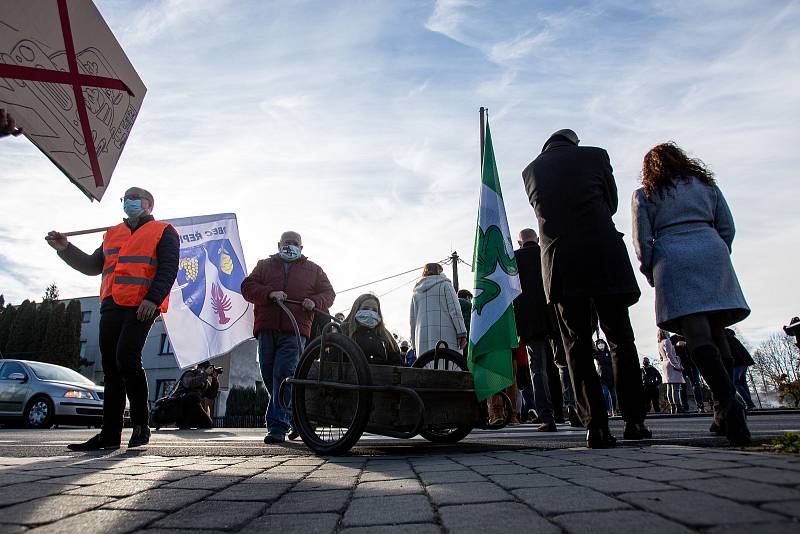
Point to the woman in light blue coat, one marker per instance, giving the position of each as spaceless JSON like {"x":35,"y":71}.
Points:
{"x":682,"y":233}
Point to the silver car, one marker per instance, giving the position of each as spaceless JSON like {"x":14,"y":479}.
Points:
{"x":43,"y":394}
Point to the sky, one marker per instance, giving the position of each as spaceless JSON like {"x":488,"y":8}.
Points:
{"x":356,"y":124}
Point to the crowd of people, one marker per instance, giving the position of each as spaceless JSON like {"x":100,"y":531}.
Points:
{"x":576,"y":278}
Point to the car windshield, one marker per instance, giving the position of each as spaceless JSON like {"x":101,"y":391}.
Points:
{"x":56,"y":373}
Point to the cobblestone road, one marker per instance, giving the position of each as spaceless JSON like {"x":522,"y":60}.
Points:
{"x":669,"y":489}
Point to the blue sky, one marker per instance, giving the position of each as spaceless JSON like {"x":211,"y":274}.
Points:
{"x":355,"y":123}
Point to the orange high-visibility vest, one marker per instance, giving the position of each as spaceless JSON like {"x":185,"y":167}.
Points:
{"x":130,"y":263}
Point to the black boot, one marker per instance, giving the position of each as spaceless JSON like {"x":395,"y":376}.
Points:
{"x":600,"y":438}
{"x":636,"y":431}
{"x":736,"y":425}
{"x":100,"y":442}
{"x":140,"y":436}
{"x":709,"y":362}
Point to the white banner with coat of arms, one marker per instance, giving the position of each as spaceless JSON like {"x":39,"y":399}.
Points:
{"x":207,"y":314}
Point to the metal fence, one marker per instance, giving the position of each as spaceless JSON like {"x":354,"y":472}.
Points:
{"x":239,"y":421}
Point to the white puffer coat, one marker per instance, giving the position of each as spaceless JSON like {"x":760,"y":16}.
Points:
{"x":435,"y":314}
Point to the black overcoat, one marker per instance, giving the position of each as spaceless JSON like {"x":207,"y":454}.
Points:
{"x":530,"y":307}
{"x":573,"y":193}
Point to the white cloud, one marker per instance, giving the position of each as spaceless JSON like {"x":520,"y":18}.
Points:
{"x":357,"y":125}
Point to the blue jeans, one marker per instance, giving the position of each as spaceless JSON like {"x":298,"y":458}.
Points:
{"x":610,"y":395}
{"x":537,"y":356}
{"x":740,"y":381}
{"x":278,"y":355}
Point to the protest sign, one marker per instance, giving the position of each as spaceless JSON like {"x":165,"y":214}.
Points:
{"x":68,"y":83}
{"x":207,"y":314}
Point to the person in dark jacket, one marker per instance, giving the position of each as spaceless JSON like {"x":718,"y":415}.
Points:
{"x":365,"y":326}
{"x":148,"y":249}
{"x":606,"y":371}
{"x":586,"y":270}
{"x":741,"y":361}
{"x":408,"y":354}
{"x":194,"y":387}
{"x":651,"y":380}
{"x":285,"y":275}
{"x":533,"y":325}
{"x":465,"y":301}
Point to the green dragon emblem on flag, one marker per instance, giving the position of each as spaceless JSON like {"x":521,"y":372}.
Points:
{"x":491,"y":252}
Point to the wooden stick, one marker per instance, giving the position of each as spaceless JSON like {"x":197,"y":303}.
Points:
{"x":82,"y":232}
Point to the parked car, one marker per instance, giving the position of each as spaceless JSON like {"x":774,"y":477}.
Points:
{"x":42,"y":394}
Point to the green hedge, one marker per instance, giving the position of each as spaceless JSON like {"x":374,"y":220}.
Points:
{"x":246,"y":401}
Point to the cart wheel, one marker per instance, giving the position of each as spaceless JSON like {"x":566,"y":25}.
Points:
{"x":446,"y":359}
{"x":331,"y":420}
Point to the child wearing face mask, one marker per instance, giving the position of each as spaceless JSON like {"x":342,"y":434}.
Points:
{"x":364,"y":325}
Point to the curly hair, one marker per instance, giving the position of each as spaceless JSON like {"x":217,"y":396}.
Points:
{"x":665,"y":163}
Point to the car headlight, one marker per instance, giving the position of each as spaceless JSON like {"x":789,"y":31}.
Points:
{"x":77,"y":394}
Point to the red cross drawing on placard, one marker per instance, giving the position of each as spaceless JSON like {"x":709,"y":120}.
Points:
{"x":74,"y":78}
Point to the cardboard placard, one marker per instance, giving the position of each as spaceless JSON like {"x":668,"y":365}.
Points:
{"x":68,"y":83}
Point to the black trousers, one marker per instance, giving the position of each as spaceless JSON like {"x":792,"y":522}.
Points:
{"x":122,"y":337}
{"x":576,"y":321}
{"x":652,"y":396}
{"x":193,"y":413}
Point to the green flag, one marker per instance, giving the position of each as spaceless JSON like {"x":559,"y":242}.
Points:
{"x":493,"y":332}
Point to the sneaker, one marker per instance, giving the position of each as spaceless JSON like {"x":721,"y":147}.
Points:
{"x":140,"y":436}
{"x":274,"y":437}
{"x":293,"y":434}
{"x":547,"y":427}
{"x":96,"y":443}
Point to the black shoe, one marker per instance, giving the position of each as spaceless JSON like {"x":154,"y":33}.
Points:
{"x":547,"y":427}
{"x":293,"y":434}
{"x":600,"y":438}
{"x":274,"y":438}
{"x":574,"y":420}
{"x":636,"y":431}
{"x":140,"y":436}
{"x":96,"y":443}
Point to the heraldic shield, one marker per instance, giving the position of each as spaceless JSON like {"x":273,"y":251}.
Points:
{"x":209,"y":277}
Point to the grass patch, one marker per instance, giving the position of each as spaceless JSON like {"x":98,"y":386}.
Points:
{"x":788,"y":443}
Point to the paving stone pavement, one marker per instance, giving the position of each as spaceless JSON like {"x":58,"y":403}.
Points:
{"x":638,"y":490}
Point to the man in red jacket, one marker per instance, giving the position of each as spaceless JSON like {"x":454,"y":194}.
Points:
{"x":285,"y":275}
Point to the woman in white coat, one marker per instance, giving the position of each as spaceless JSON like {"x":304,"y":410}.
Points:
{"x":672,"y":371}
{"x":436,"y":313}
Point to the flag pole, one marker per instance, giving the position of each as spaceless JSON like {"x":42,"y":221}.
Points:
{"x":83,"y":232}
{"x":482,"y":112}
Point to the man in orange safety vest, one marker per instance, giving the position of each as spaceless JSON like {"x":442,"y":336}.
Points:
{"x":138,"y":262}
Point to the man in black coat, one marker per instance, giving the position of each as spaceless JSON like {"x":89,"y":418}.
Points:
{"x":586,"y":270}
{"x":533,"y":325}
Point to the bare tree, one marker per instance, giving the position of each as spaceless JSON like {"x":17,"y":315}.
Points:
{"x":777,"y":360}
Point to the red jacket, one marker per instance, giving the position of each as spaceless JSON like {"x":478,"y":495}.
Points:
{"x":300,"y":280}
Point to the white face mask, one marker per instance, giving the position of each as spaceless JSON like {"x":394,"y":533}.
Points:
{"x":368,"y":318}
{"x":290,"y":252}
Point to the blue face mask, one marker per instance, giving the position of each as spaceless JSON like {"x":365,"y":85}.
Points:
{"x":289,"y":252}
{"x":368,"y":318}
{"x":133,"y":208}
